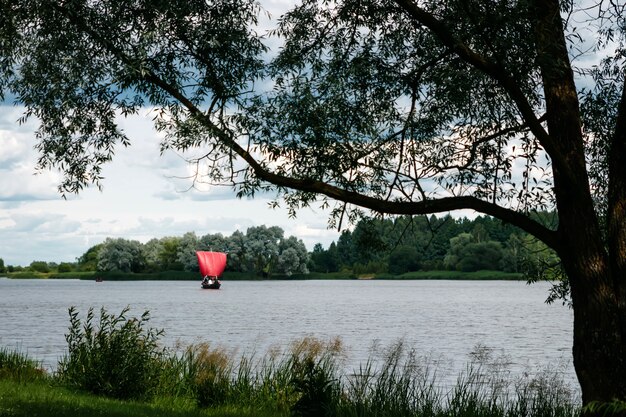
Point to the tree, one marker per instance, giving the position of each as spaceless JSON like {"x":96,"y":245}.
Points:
{"x":403,"y":259}
{"x":88,"y":261}
{"x":121,"y":255}
{"x":2,"y":267}
{"x":64,"y":267}
{"x":213,"y":242}
{"x":288,"y":262}
{"x":454,"y":255}
{"x":186,"y":254}
{"x":368,"y":240}
{"x":394,"y":106}
{"x":293,"y":257}
{"x":262,"y":247}
{"x":39,"y":266}
{"x":236,"y":245}
{"x":325,"y":260}
{"x":168,"y":256}
{"x":151,"y":251}
{"x":470,"y":252}
{"x":346,"y":249}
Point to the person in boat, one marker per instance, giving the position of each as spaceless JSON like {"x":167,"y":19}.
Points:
{"x":205,"y":280}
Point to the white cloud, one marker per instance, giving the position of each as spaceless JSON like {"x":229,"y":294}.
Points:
{"x":18,"y":182}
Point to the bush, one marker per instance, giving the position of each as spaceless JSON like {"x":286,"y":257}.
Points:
{"x":64,"y":267}
{"x":314,"y":378}
{"x":119,"y":359}
{"x":39,"y":266}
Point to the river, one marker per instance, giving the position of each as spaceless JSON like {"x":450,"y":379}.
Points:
{"x":444,"y":321}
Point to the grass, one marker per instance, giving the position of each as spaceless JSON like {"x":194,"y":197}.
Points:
{"x":34,"y":399}
{"x":458,"y":275}
{"x":241,"y":276}
{"x":18,"y":366}
{"x":306,"y":381}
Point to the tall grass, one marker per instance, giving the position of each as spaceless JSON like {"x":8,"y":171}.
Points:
{"x":307,"y":381}
{"x":120,"y":357}
{"x":16,"y":365}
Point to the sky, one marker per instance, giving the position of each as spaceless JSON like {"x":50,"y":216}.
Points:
{"x":141,"y":199}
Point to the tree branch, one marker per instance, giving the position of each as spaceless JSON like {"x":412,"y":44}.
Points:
{"x":413,"y":208}
{"x":493,"y":70}
{"x":617,"y":196}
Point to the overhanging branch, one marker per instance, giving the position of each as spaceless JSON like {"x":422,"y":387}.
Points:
{"x":440,"y":205}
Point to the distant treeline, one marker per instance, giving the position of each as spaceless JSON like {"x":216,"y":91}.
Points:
{"x":422,"y":243}
{"x":384,"y":247}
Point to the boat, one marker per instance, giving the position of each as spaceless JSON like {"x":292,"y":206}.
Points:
{"x":212,"y":265}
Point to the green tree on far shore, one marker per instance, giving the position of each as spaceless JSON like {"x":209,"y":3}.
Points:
{"x":121,"y":255}
{"x":88,"y":261}
{"x":39,"y":266}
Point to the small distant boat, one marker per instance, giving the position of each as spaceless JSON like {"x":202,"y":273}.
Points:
{"x":99,"y":279}
{"x":212,"y":265}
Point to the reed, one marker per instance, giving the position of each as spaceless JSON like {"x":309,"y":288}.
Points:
{"x":16,"y":365}
{"x":118,"y":358}
{"x":304,"y":381}
{"x":279,"y":381}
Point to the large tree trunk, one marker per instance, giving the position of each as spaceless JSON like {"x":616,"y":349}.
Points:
{"x":599,"y":315}
{"x":599,"y":333}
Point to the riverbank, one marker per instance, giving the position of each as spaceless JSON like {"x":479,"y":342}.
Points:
{"x":303,"y":382}
{"x":45,"y":398}
{"x":240,"y":276}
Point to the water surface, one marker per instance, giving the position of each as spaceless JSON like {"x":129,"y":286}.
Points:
{"x":443,"y":320}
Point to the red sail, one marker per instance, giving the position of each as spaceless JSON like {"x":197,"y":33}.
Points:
{"x":211,"y":264}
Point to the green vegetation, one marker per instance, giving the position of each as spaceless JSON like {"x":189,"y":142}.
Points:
{"x":119,"y":358}
{"x":51,"y":400}
{"x":403,"y":248}
{"x":115,"y":367}
{"x":457,"y":275}
{"x":421,"y":243}
{"x":17,"y":366}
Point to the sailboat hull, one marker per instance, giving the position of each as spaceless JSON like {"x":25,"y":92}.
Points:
{"x":213,"y":286}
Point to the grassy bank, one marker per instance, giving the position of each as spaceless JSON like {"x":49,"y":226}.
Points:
{"x":240,"y":276}
{"x":458,"y":275}
{"x":308,"y":387}
{"x":50,"y":275}
{"x":116,"y":367}
{"x":46,"y":398}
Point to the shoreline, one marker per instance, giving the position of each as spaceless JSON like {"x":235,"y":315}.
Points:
{"x":238,"y":276}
